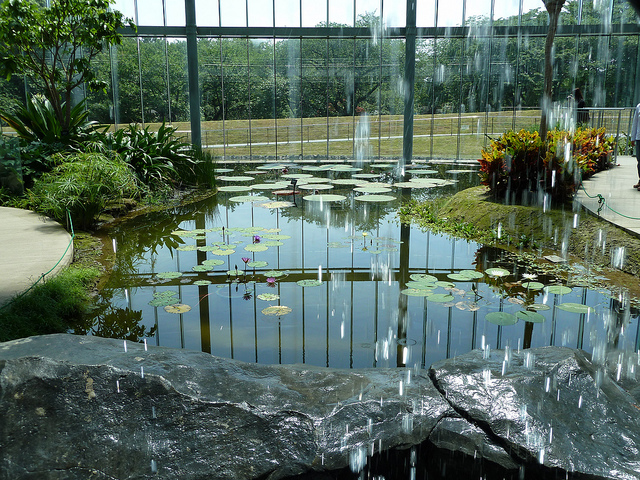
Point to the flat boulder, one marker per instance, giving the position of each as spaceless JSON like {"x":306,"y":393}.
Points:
{"x":74,"y":407}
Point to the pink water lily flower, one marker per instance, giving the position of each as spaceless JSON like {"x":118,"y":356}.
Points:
{"x":271,"y":282}
{"x":245,"y":259}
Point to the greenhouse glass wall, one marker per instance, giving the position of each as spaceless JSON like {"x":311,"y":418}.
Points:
{"x":370,"y":79}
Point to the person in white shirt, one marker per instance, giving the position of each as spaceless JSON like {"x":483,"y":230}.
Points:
{"x":635,"y":137}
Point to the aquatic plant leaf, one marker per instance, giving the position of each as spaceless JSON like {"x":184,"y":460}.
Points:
{"x":440,"y":297}
{"x":249,"y":199}
{"x":234,"y":188}
{"x":497,"y":272}
{"x":309,"y":283}
{"x":235,"y":273}
{"x":372,"y":189}
{"x":422,"y":285}
{"x":187,"y":248}
{"x":177,"y":308}
{"x":276,"y":310}
{"x":235,"y":178}
{"x":221,"y":252}
{"x":165,"y":293}
{"x":272,"y":230}
{"x":325,"y":197}
{"x":383,"y":165}
{"x":459,"y":277}
{"x":164,"y":301}
{"x":575,"y":307}
{"x":257,"y":264}
{"x":202,"y":282}
{"x":315,"y":186}
{"x":278,"y":204}
{"x":255,"y":247}
{"x":337,"y":245}
{"x":516,"y":301}
{"x":296,"y":175}
{"x":532,"y":317}
{"x":416,"y":292}
{"x":169,"y":275}
{"x":413,"y":185}
{"x":422,"y":171}
{"x":558,"y":289}
{"x":201,"y":268}
{"x":423,"y":277}
{"x":275,"y":273}
{"x":273,"y":236}
{"x":467,"y":306}
{"x":213,"y":262}
{"x":266,"y":186}
{"x":375,"y":198}
{"x":272,"y":243}
{"x":538,"y":307}
{"x":533,"y":285}
{"x":444,"y":284}
{"x":184,"y":233}
{"x":471,"y":274}
{"x":269,"y":297}
{"x":501,"y":318}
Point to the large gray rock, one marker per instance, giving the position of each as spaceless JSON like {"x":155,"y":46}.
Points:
{"x":76,"y":407}
{"x":550,"y":405}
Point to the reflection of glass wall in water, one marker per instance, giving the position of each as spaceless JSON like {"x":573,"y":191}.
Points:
{"x":297,"y":78}
{"x":354,"y":281}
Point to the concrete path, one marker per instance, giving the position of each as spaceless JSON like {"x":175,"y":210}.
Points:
{"x":31,"y":246}
{"x":612,"y":191}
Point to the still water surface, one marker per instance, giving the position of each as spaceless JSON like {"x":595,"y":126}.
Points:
{"x":340,"y":267}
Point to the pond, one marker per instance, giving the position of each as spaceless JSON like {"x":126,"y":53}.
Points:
{"x":329,"y":277}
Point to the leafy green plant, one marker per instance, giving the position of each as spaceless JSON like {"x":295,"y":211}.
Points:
{"x":37,"y":121}
{"x":49,"y":307}
{"x":157,"y":157}
{"x":84,"y":184}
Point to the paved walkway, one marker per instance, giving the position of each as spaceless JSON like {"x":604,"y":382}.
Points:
{"x":30,"y":246}
{"x":614,"y":187}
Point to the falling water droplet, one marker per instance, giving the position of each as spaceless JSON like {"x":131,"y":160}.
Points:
{"x":580,"y":402}
{"x":125,"y":346}
{"x":142,"y":372}
{"x":118,"y":385}
{"x":154,"y":466}
{"x":145,"y":344}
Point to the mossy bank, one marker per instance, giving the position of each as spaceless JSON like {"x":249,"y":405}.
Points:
{"x":532,"y":234}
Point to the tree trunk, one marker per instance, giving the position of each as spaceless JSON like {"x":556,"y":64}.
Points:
{"x":554,"y":7}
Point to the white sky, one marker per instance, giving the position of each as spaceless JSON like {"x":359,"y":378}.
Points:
{"x":287,"y":12}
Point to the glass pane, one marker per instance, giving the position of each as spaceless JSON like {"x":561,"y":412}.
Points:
{"x":314,"y":12}
{"x":288,"y":70}
{"x":99,"y":104}
{"x":367,"y":98}
{"x":506,"y":12}
{"x":128,"y":108}
{"x":394,"y":13}
{"x":211,"y":95}
{"x":207,"y":13}
{"x":340,"y":95}
{"x":176,"y":16}
{"x":392,"y":98}
{"x":260,"y":13}
{"x":150,"y":12}
{"x":236,"y":96}
{"x":449,"y":13}
{"x":233,"y":13}
{"x":478,"y":12}
{"x":314,"y":97}
{"x":287,"y":13}
{"x":176,"y":107}
{"x":126,"y":7}
{"x":423,"y":99}
{"x":366,"y":8}
{"x":425,"y":14}
{"x":341,"y":12}
{"x":263,"y":98}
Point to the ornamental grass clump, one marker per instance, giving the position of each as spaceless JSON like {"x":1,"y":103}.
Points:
{"x":520,"y":162}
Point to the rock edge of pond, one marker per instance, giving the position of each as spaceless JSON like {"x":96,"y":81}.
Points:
{"x":79,"y":407}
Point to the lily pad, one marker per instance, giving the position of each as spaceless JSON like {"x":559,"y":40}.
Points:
{"x":187,"y":248}
{"x":201,"y":268}
{"x":234,"y":188}
{"x":278,"y":204}
{"x":497,"y":272}
{"x":314,"y":186}
{"x":202,"y":283}
{"x":575,"y":307}
{"x":538,"y":307}
{"x":221,"y":252}
{"x":256,"y":247}
{"x":164,"y":301}
{"x":249,"y":198}
{"x":375,"y":198}
{"x":440,"y":297}
{"x":423,"y":277}
{"x":235,"y":178}
{"x":235,"y":273}
{"x":275,"y":273}
{"x":501,"y":318}
{"x":177,"y":308}
{"x":272,"y":243}
{"x":533,"y":285}
{"x":417,"y":292}
{"x":268,"y":297}
{"x":169,"y":275}
{"x":532,"y":317}
{"x":471,"y":274}
{"x":213,"y":262}
{"x":257,"y":264}
{"x":273,"y":236}
{"x":309,"y":283}
{"x":444,"y":284}
{"x":421,"y":285}
{"x":557,"y":289}
{"x":276,"y":310}
{"x":327,"y":197}
{"x":372,"y":189}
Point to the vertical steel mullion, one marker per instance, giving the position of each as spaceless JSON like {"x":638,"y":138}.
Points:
{"x":224,"y":130}
{"x":380,"y":80}
{"x":433,"y":85}
{"x":275,"y":76}
{"x":166,"y":59}
{"x":409,"y":80}
{"x":135,"y":15}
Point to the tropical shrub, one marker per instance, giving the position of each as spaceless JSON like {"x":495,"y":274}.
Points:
{"x":157,"y":158}
{"x":83,"y":184}
{"x":520,"y":162}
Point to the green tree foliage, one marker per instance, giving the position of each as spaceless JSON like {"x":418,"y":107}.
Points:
{"x":54,"y":45}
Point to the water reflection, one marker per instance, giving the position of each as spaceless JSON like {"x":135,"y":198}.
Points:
{"x":332,"y":273}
